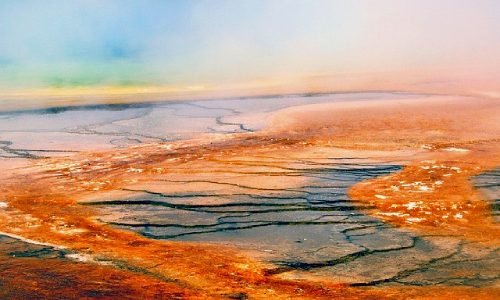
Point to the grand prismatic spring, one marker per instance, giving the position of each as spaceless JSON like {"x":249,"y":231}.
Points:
{"x":249,"y":149}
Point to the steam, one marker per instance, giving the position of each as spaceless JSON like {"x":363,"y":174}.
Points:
{"x":125,"y":42}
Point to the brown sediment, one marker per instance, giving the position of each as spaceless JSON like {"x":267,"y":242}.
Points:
{"x":431,"y":195}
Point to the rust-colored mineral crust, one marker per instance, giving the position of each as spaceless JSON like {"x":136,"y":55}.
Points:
{"x":441,"y":143}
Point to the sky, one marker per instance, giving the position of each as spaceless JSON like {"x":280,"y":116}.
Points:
{"x":246,"y":43}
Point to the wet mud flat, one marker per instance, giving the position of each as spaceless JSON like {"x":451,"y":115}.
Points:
{"x":61,"y":131}
{"x":310,"y":231}
{"x":488,"y":183}
{"x":200,"y":199}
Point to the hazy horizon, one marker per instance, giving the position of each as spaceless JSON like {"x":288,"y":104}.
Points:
{"x":195,"y":46}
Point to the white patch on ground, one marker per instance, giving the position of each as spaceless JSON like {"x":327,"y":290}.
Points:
{"x":414,"y":220}
{"x":3,"y":204}
{"x":424,"y":188}
{"x":66,"y":229}
{"x":71,"y":231}
{"x":413,"y":205}
{"x":80,"y":257}
{"x":393,"y":214}
{"x":381,"y":196}
{"x":86,"y":258}
{"x":167,"y":147}
{"x":419,"y":186}
{"x":30,"y":218}
{"x":97,"y":184}
{"x":453,"y":149}
{"x":394,"y":188}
